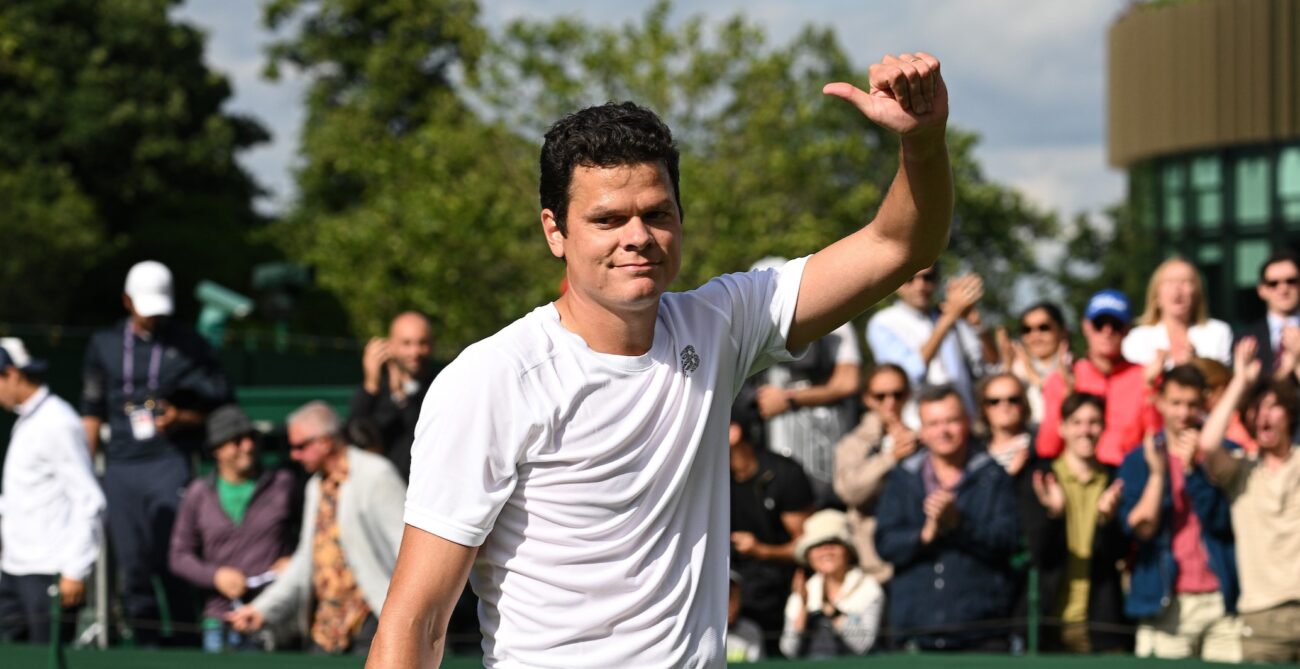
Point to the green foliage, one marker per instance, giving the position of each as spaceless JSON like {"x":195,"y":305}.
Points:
{"x":769,"y":165}
{"x":1120,"y":254}
{"x":408,"y":200}
{"x":115,"y":142}
{"x":418,"y":187}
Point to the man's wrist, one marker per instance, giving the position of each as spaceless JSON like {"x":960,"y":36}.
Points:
{"x":925,"y":144}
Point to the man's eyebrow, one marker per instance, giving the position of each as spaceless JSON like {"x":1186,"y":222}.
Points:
{"x":607,"y":212}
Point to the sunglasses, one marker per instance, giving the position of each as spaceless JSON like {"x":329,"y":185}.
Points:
{"x":1041,"y":327}
{"x":1290,"y":281}
{"x":1010,"y":399}
{"x":928,"y":277}
{"x":1108,"y":322}
{"x":305,"y":442}
{"x":898,"y":395}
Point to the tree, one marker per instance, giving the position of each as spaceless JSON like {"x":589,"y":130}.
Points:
{"x":1119,"y":253}
{"x":419,"y":177}
{"x":407,"y":199}
{"x":115,"y":148}
{"x":769,"y":165}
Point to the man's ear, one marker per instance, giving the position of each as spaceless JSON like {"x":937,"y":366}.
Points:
{"x":554,"y":235}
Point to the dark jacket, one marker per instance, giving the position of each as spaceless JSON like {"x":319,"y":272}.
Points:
{"x":964,"y":577}
{"x":396,"y":423}
{"x":204,"y":537}
{"x":1049,"y":551}
{"x":189,"y":377}
{"x":1154,"y":569}
{"x":1260,"y":331}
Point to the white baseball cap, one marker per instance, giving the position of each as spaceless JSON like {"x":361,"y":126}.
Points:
{"x":149,"y":285}
{"x":14,"y":354}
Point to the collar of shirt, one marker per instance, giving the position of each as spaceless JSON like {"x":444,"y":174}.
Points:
{"x":1276,"y":323}
{"x":32,"y":402}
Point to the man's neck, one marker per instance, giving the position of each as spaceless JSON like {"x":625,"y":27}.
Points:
{"x":626,"y":333}
{"x":140,"y":330}
{"x":1274,"y":457}
{"x":1281,"y":315}
{"x":1081,"y":468}
{"x":1103,"y":364}
{"x":949,"y":466}
{"x":25,"y":392}
{"x":336,"y":462}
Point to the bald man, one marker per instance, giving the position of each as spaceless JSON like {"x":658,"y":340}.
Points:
{"x":397,"y":372}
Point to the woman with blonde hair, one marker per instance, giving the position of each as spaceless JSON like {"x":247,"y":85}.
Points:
{"x":1176,"y":326}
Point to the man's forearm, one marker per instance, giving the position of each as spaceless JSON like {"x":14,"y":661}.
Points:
{"x":1145,"y":516}
{"x":941,"y":329}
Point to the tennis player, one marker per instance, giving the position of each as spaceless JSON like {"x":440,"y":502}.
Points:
{"x":576,"y":461}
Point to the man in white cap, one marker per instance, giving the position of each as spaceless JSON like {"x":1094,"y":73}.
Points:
{"x":51,"y":509}
{"x":152,"y":380}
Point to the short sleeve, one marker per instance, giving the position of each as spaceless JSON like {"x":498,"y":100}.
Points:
{"x":760,"y":308}
{"x":475,"y":424}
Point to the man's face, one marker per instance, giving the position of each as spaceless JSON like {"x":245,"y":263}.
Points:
{"x":944,"y":426}
{"x":9,"y":388}
{"x":1181,"y":406}
{"x":308,"y":446}
{"x":1082,"y":429}
{"x":410,"y":341}
{"x":1272,"y":425}
{"x":623,"y":245}
{"x":145,"y":323}
{"x":886,"y":394}
{"x":237,"y":455}
{"x":1280,"y":288}
{"x":1104,"y":336}
{"x":918,"y":291}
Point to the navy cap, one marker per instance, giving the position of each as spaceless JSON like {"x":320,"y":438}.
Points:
{"x":14,"y":354}
{"x":1108,"y":303}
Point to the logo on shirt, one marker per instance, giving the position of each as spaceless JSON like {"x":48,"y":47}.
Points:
{"x":690,"y":359}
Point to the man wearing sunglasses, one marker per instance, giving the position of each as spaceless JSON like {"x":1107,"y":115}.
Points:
{"x":1103,"y":372}
{"x":351,"y":528}
{"x":935,"y":346}
{"x":1279,"y":288}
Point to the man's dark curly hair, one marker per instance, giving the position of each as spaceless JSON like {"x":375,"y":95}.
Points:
{"x":608,"y":135}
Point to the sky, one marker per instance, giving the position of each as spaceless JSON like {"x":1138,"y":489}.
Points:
{"x":1029,"y":76}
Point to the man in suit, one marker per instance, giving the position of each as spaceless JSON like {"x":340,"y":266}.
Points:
{"x":1279,"y":288}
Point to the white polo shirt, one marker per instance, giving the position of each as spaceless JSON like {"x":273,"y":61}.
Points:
{"x":595,"y":484}
{"x":52,"y":506}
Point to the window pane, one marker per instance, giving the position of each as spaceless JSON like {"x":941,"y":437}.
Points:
{"x":1206,"y":173}
{"x":1252,"y":192}
{"x":1250,"y":254}
{"x":1207,"y":182}
{"x":1288,"y":172}
{"x":1288,"y":183}
{"x":1173,"y":197}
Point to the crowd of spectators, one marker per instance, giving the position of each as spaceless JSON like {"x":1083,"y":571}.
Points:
{"x":900,"y":503}
{"x":1146,"y":479}
{"x":245,"y":557}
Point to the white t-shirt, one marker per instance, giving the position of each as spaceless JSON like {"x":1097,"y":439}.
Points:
{"x":1211,"y":339}
{"x":596,"y":484}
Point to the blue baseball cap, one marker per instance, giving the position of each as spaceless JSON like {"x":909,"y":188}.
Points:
{"x":14,"y":354}
{"x":1108,"y":302}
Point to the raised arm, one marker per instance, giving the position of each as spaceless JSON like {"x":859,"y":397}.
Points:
{"x":1245,"y":370}
{"x":906,"y":96}
{"x":430,"y":575}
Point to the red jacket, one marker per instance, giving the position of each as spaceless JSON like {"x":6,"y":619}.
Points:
{"x":1129,"y":413}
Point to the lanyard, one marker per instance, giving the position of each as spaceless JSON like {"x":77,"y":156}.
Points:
{"x":128,"y":363}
